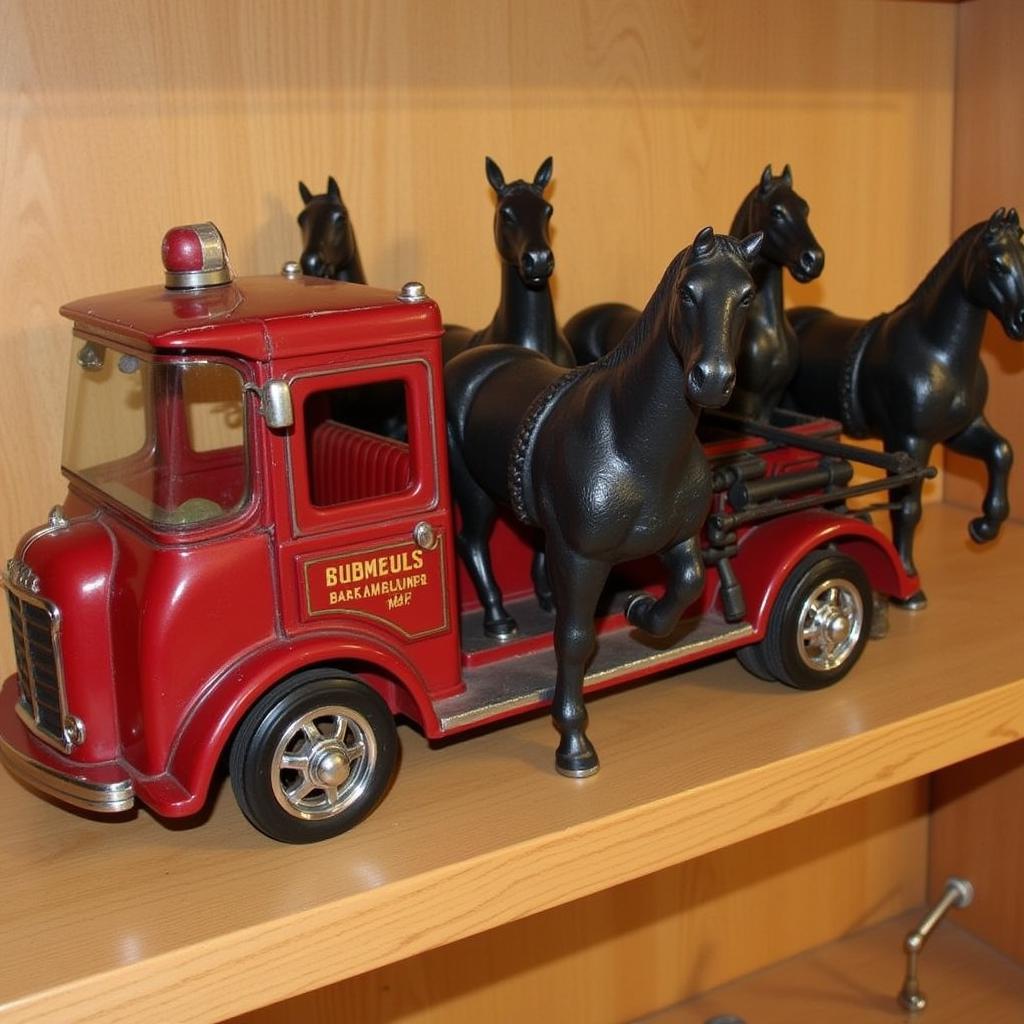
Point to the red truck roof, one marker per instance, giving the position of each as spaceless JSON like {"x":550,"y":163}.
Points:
{"x":257,"y":317}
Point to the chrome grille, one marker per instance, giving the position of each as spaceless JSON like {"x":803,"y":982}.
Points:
{"x":35,"y":624}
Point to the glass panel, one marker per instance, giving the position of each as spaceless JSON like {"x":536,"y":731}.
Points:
{"x":163,"y":437}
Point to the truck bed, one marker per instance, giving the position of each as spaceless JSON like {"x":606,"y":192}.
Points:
{"x":515,"y":684}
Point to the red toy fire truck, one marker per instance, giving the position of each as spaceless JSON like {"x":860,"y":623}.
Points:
{"x":250,"y":560}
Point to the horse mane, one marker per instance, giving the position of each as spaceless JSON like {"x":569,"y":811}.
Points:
{"x":741,"y":222}
{"x":638,"y":335}
{"x":937,"y":273}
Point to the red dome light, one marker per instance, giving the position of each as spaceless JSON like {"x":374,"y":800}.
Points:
{"x":182,"y":251}
{"x":195,"y":256}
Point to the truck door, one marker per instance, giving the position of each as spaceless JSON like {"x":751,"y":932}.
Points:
{"x":370,"y":547}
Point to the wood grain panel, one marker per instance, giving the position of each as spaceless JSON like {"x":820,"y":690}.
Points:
{"x":119,"y":119}
{"x":978,"y":832}
{"x":989,"y":173}
{"x":652,"y":942}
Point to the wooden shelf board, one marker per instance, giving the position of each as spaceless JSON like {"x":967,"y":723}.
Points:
{"x":113,"y":920}
{"x":855,"y":981}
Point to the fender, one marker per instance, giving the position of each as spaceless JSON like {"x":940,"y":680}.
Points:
{"x":212,"y":720}
{"x":771,"y":551}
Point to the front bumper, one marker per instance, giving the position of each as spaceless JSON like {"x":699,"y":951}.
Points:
{"x":104,"y":788}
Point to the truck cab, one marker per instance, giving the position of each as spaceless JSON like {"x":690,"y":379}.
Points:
{"x":212,"y":545}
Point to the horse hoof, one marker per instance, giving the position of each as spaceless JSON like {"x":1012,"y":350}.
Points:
{"x":576,"y":760}
{"x":983,"y":530}
{"x":636,"y":607}
{"x":915,"y":603}
{"x":578,"y":769}
{"x":501,"y":629}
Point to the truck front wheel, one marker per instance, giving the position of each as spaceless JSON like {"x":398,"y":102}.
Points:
{"x":313,"y":757}
{"x":819,"y":624}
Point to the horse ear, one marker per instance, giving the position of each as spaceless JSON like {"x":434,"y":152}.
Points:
{"x":995,"y":220}
{"x":332,"y":188}
{"x":494,"y":175}
{"x":787,"y":176}
{"x":304,"y":192}
{"x":704,"y":242}
{"x":766,"y":178}
{"x":1013,"y":218}
{"x":751,"y":245}
{"x":543,"y":175}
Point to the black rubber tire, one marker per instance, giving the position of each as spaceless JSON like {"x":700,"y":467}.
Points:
{"x":751,"y":658}
{"x":780,"y":650}
{"x":254,"y":774}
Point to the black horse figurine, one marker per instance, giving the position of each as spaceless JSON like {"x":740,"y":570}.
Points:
{"x":914,"y":377}
{"x":768,"y":351}
{"x":328,"y":242}
{"x":526,"y":314}
{"x":603,"y":459}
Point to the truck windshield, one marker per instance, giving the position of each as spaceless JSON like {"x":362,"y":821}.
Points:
{"x":164,"y":437}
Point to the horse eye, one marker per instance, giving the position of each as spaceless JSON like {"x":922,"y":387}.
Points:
{"x":748,"y":297}
{"x":998,"y":267}
{"x":548,"y":210}
{"x":778,"y":213}
{"x":507,"y":215}
{"x":688,"y":295}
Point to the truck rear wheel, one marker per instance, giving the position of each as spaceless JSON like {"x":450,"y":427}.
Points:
{"x":313,"y":757}
{"x":819,"y":624}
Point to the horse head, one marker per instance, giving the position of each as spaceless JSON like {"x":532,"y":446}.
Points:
{"x":521,"y":221}
{"x":995,"y":271}
{"x":710,"y":294}
{"x":328,"y":241}
{"x":775,"y":208}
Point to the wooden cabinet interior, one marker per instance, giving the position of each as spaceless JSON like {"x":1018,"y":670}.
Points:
{"x":123,"y":119}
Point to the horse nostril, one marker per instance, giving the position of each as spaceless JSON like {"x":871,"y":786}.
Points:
{"x":809,"y":260}
{"x":698,"y":375}
{"x":728,"y":384}
{"x":1018,"y":320}
{"x":538,"y":264}
{"x":310,"y":264}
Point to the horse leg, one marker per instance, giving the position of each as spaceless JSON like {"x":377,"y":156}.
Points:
{"x":979,"y":441}
{"x":906,"y":513}
{"x":577,"y":584}
{"x":541,"y":582}
{"x":685,"y":582}
{"x":478,"y":516}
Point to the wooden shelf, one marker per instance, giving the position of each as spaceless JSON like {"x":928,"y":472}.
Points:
{"x":855,"y":981}
{"x":119,"y":919}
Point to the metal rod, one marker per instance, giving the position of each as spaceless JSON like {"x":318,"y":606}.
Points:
{"x":726,"y":523}
{"x":958,"y":893}
{"x":898,"y":462}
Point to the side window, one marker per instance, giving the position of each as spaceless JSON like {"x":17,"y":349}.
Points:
{"x":357,"y":443}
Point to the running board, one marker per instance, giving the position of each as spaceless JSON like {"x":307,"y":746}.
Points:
{"x":504,"y":687}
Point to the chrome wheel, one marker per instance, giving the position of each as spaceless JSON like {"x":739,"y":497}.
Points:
{"x":313,"y":756}
{"x":820,"y":622}
{"x":323,"y":763}
{"x":830,"y":623}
